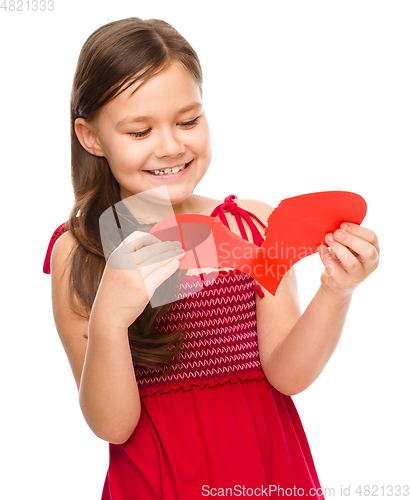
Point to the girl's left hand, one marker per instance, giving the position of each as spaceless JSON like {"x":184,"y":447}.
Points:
{"x":353,"y":255}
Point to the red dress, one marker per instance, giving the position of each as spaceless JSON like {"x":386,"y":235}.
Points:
{"x":214,"y":426}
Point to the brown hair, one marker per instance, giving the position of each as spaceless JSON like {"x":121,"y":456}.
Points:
{"x":112,"y":59}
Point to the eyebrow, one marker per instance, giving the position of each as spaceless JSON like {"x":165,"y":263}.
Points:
{"x":134,"y":119}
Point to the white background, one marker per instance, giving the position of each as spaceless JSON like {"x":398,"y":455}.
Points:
{"x":301,"y":96}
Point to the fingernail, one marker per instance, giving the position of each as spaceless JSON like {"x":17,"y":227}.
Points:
{"x":179,"y":250}
{"x":177,"y":243}
{"x":339,"y":235}
{"x":329,"y":238}
{"x":346,"y":227}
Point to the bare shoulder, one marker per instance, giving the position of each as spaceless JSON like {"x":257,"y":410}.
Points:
{"x":70,"y":316}
{"x":260,"y":209}
{"x":62,"y":252}
{"x":60,"y":270}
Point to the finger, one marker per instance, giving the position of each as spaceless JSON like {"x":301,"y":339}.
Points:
{"x":161,"y":249}
{"x":367,"y":253}
{"x":156,"y":262}
{"x":156,"y":278}
{"x":129,"y":262}
{"x":361,"y":232}
{"x":123,"y":257}
{"x":122,"y":261}
{"x":346,"y":258}
{"x":129,"y":257}
{"x":332,"y":265}
{"x":131,"y":244}
{"x":137,"y":240}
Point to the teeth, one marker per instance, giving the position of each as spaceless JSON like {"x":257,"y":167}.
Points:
{"x":166,"y":171}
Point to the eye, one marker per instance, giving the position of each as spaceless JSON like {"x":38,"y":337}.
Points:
{"x":190,"y":123}
{"x":140,"y":134}
{"x":144,"y":133}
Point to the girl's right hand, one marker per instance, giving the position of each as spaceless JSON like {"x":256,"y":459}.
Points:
{"x":134,"y":270}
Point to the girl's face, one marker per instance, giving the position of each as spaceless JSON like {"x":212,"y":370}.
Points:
{"x":144,"y":134}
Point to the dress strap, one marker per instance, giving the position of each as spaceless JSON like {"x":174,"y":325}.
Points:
{"x":57,"y":233}
{"x":239,"y":214}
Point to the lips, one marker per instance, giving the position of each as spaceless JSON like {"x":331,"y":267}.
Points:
{"x":169,"y":172}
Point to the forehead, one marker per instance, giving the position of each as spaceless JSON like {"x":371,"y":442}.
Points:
{"x":171,"y":90}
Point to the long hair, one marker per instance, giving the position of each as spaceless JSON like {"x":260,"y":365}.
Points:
{"x":112,"y":59}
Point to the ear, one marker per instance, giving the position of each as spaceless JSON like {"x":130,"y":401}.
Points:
{"x":87,"y":137}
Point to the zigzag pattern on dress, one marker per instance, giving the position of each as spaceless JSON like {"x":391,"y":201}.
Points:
{"x":220,"y":342}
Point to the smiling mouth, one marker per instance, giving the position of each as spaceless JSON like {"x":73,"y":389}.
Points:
{"x":168,"y":171}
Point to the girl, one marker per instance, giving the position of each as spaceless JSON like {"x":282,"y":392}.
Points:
{"x":194,"y":397}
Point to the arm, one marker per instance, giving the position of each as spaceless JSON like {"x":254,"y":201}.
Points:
{"x":98,"y":349}
{"x":293,"y":357}
{"x":295,"y":348}
{"x":99,"y":357}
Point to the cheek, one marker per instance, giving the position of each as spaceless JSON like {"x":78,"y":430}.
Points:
{"x":203,"y":141}
{"x":126,"y":154}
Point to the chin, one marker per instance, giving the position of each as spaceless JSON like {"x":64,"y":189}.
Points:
{"x":178,"y":196}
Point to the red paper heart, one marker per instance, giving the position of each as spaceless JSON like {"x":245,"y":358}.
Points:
{"x":294,"y":230}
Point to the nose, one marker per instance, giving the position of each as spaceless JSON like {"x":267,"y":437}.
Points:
{"x":169,"y":144}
